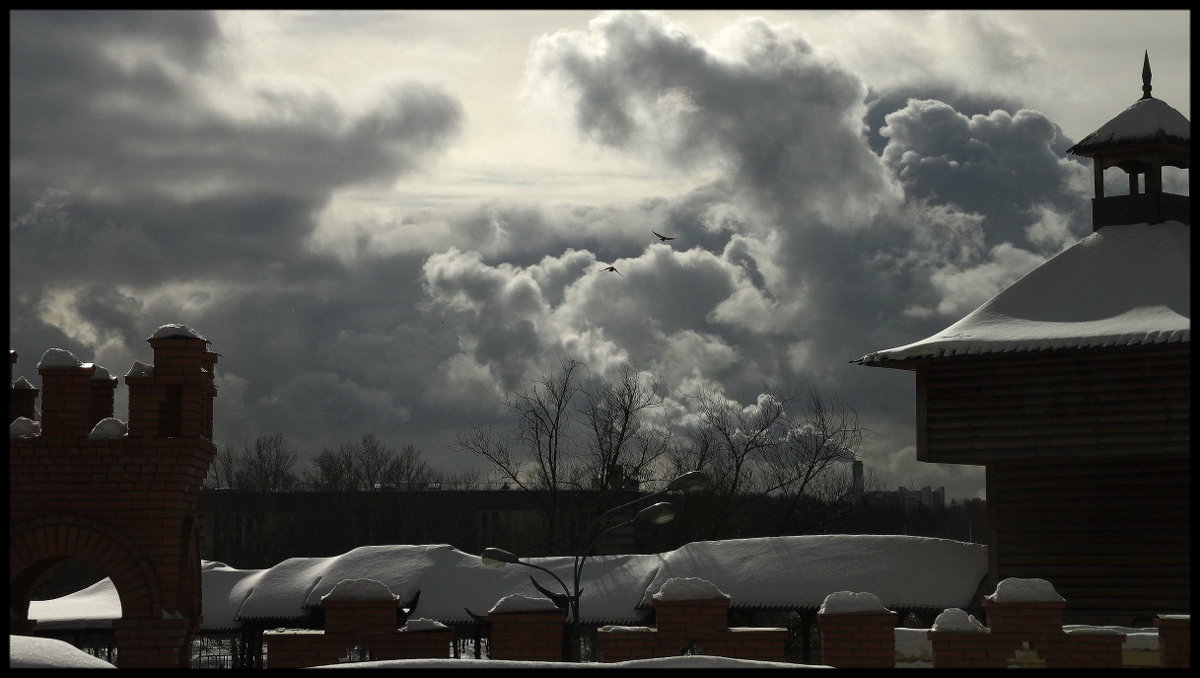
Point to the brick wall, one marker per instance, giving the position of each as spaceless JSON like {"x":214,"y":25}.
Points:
{"x":1019,"y":634}
{"x":535,"y":635}
{"x":692,"y":627}
{"x":355,"y":630}
{"x":1174,"y":641}
{"x":858,"y":640}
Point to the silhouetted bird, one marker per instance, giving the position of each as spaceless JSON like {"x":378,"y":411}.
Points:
{"x":614,"y":270}
{"x":662,"y":238}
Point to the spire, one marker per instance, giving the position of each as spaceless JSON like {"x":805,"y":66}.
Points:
{"x":1146,"y":77}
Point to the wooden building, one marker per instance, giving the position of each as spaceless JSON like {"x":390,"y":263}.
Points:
{"x":1072,"y":388}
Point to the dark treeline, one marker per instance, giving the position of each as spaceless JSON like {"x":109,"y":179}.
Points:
{"x":270,"y":463}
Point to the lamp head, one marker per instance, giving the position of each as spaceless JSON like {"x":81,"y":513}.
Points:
{"x":692,"y":481}
{"x":657,"y":514}
{"x":497,"y":557}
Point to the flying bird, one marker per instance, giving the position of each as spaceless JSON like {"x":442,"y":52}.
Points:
{"x":661,"y":237}
{"x":614,"y":270}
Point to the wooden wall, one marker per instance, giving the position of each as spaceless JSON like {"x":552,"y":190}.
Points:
{"x":1048,"y":404}
{"x":1113,"y":536}
{"x":1088,"y":469}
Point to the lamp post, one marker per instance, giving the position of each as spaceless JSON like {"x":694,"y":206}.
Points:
{"x":658,"y":513}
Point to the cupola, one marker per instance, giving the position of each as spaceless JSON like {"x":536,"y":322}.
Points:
{"x":1141,"y":140}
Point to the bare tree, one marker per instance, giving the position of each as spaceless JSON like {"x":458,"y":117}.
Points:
{"x":603,"y":446}
{"x":407,"y":470}
{"x":789,"y":451}
{"x":224,"y":468}
{"x":267,"y":465}
{"x":332,"y":470}
{"x":532,"y":456}
{"x":371,"y":461}
{"x":623,"y":445}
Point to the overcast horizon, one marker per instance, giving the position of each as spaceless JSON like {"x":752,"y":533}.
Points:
{"x":384,"y":221}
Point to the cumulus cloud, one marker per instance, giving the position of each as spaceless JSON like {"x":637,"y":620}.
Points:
{"x":816,"y":219}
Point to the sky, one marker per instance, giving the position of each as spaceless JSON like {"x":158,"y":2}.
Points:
{"x":843,"y":574}
{"x":384,"y":221}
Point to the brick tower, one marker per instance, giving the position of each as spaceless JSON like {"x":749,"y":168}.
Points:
{"x":126,"y":501}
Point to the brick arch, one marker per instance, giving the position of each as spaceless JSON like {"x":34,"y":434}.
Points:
{"x":36,"y":545}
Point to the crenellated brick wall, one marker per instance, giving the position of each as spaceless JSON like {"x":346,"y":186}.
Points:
{"x":1026,"y":634}
{"x":691,"y":627}
{"x":127,"y":504}
{"x":355,"y":630}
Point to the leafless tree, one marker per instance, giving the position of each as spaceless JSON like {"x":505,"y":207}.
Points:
{"x":371,"y":461}
{"x":793,"y":452}
{"x":332,"y":470}
{"x":407,"y":470}
{"x":266,"y":465}
{"x":622,"y":443}
{"x":532,"y":456}
{"x":593,"y":450}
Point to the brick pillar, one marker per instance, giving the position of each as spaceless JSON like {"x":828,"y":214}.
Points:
{"x":1174,"y":641}
{"x":209,"y":362}
{"x":858,"y":640}
{"x":527,"y":636}
{"x":360,"y":616}
{"x":66,"y":397}
{"x":681,"y":616}
{"x":101,"y":398}
{"x":182,"y":385}
{"x":151,"y":643}
{"x":22,"y":401}
{"x":1033,"y":620}
{"x":143,"y":401}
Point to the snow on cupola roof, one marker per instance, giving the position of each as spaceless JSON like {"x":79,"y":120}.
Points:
{"x":1148,"y":122}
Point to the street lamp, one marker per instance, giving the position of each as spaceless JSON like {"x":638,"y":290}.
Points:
{"x":658,"y":513}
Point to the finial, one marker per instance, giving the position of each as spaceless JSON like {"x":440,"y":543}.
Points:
{"x":1146,"y":77}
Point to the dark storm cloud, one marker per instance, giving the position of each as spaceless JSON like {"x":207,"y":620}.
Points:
{"x":781,"y":118}
{"x":823,"y":222}
{"x":826,"y":246}
{"x":999,"y":164}
{"x":136,"y":202}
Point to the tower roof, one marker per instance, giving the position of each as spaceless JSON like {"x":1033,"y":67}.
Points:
{"x":1148,"y":124}
{"x":1123,"y":286}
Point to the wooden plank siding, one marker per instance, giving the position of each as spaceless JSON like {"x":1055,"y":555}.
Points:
{"x":1113,"y":537}
{"x":1050,"y":404}
{"x":1088,"y":455}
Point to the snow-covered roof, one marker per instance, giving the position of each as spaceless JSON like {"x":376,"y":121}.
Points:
{"x":800,"y":571}
{"x":1147,"y":120}
{"x":769,"y":572}
{"x":1123,"y":285}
